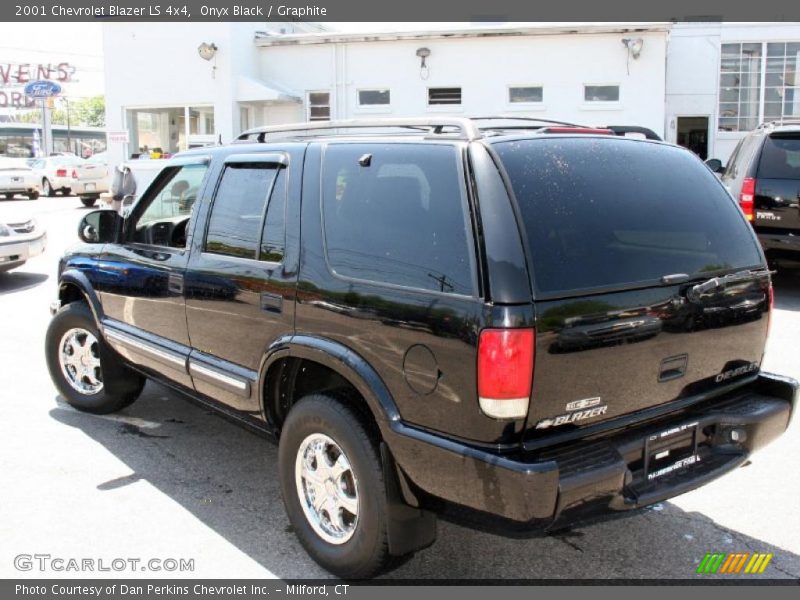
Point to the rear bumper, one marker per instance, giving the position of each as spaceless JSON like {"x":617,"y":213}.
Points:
{"x":782,"y":241}
{"x":88,"y":188}
{"x":606,"y":474}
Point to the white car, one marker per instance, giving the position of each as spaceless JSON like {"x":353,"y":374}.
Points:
{"x":90,"y":178}
{"x":16,"y":177}
{"x":21,"y":238}
{"x":55,"y":173}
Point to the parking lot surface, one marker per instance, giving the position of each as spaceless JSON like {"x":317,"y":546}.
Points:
{"x":166,"y":479}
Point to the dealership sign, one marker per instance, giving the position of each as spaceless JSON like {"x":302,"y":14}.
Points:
{"x":14,"y":77}
{"x":117,"y":137}
{"x":42,"y":88}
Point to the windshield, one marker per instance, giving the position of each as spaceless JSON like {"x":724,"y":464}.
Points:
{"x":604,"y":212}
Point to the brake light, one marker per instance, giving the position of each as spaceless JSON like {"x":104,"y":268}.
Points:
{"x":594,"y":130}
{"x":747,"y":196}
{"x":505,"y":371}
{"x":61,"y":172}
{"x":74,"y":174}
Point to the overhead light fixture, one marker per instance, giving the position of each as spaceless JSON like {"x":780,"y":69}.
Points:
{"x":634,"y":46}
{"x":207,"y":51}
{"x":423,"y":54}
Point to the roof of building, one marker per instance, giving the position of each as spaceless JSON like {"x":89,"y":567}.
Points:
{"x":509,"y":30}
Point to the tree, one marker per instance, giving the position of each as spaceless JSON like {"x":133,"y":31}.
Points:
{"x":87,"y":112}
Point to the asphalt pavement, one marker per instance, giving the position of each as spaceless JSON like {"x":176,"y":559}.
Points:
{"x":167,"y":479}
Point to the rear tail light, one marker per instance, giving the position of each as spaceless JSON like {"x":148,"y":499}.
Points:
{"x":505,"y":372}
{"x":747,"y":196}
{"x":61,"y":172}
{"x":74,"y":174}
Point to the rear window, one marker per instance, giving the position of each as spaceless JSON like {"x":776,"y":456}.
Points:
{"x":608,"y":212}
{"x":780,"y":158}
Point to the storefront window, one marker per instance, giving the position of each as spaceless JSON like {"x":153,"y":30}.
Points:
{"x":161,"y":132}
{"x":740,"y":86}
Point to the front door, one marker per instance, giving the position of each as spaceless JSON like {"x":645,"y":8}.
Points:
{"x":693,"y":134}
{"x":239,"y":285}
{"x":140,"y":280}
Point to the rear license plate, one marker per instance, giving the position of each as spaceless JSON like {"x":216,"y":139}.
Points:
{"x":671,"y":450}
{"x":16,"y":179}
{"x":89,"y":187}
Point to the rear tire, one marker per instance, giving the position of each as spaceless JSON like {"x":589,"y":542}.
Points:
{"x":88,"y":202}
{"x":347,"y":533}
{"x":66,"y":191}
{"x":86,"y":372}
{"x":8,"y":196}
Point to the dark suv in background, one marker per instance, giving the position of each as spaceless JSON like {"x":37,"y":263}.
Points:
{"x":763,"y":173}
{"x":531,"y":322}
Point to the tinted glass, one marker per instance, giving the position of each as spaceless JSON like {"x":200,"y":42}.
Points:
{"x":234,"y":228}
{"x":525,"y":94}
{"x":273,"y":240}
{"x":780,"y":157}
{"x":373,"y":97}
{"x":605,"y":212}
{"x":399,"y":220}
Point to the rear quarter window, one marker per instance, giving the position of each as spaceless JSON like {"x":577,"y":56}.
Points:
{"x":780,"y":157}
{"x":605,"y":212}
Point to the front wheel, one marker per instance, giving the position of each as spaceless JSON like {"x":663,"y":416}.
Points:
{"x":333,"y":489}
{"x":84,"y":370}
{"x":47,"y":189}
{"x":88,"y":201}
{"x":33,"y":196}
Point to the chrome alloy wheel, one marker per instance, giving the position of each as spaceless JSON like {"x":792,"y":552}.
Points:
{"x":327,"y":488}
{"x":79,"y":357}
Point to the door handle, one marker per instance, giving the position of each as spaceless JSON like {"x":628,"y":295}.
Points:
{"x":175,"y":283}
{"x":271,"y":302}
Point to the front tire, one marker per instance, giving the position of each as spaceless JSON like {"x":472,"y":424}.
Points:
{"x":33,"y":196}
{"x":47,"y":189}
{"x":83,"y":368}
{"x":333,"y":488}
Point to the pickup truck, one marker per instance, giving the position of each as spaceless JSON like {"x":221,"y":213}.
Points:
{"x":508,"y":319}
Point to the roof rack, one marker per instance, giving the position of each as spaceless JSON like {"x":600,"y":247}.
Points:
{"x":462,"y":128}
{"x":778,"y":123}
{"x":434,"y":126}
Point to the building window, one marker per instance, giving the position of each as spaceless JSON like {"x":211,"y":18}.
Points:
{"x":601,"y":93}
{"x":444,"y":95}
{"x":525,"y":94}
{"x":368,"y":98}
{"x":740,"y":86}
{"x":319,"y":106}
{"x":782,"y":83}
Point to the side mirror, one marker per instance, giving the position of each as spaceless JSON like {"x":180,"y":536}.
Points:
{"x":98,"y":227}
{"x":715,"y":165}
{"x":122,"y":184}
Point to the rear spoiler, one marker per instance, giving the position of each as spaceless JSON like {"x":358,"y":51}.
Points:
{"x":623,"y":130}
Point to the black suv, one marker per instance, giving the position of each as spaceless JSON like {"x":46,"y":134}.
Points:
{"x":763,"y":173}
{"x":513,"y":321}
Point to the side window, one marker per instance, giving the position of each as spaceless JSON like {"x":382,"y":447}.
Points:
{"x":398,"y":217}
{"x":169,"y":206}
{"x":273,"y":238}
{"x":237,"y":214}
{"x":730,"y":168}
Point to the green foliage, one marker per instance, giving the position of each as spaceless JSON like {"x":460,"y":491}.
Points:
{"x":88,"y":112}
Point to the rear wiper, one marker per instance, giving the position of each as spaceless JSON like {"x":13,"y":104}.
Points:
{"x":720,"y":283}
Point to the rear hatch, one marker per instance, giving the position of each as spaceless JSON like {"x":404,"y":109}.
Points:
{"x":777,"y":197}
{"x":649,"y":285}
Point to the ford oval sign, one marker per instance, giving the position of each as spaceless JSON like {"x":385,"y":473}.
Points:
{"x":42,"y":89}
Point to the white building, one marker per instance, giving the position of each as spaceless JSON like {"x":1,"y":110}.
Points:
{"x":701,"y":85}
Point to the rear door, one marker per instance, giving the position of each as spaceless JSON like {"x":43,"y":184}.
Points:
{"x":239,"y":286}
{"x":619,"y":234}
{"x":777,"y":198}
